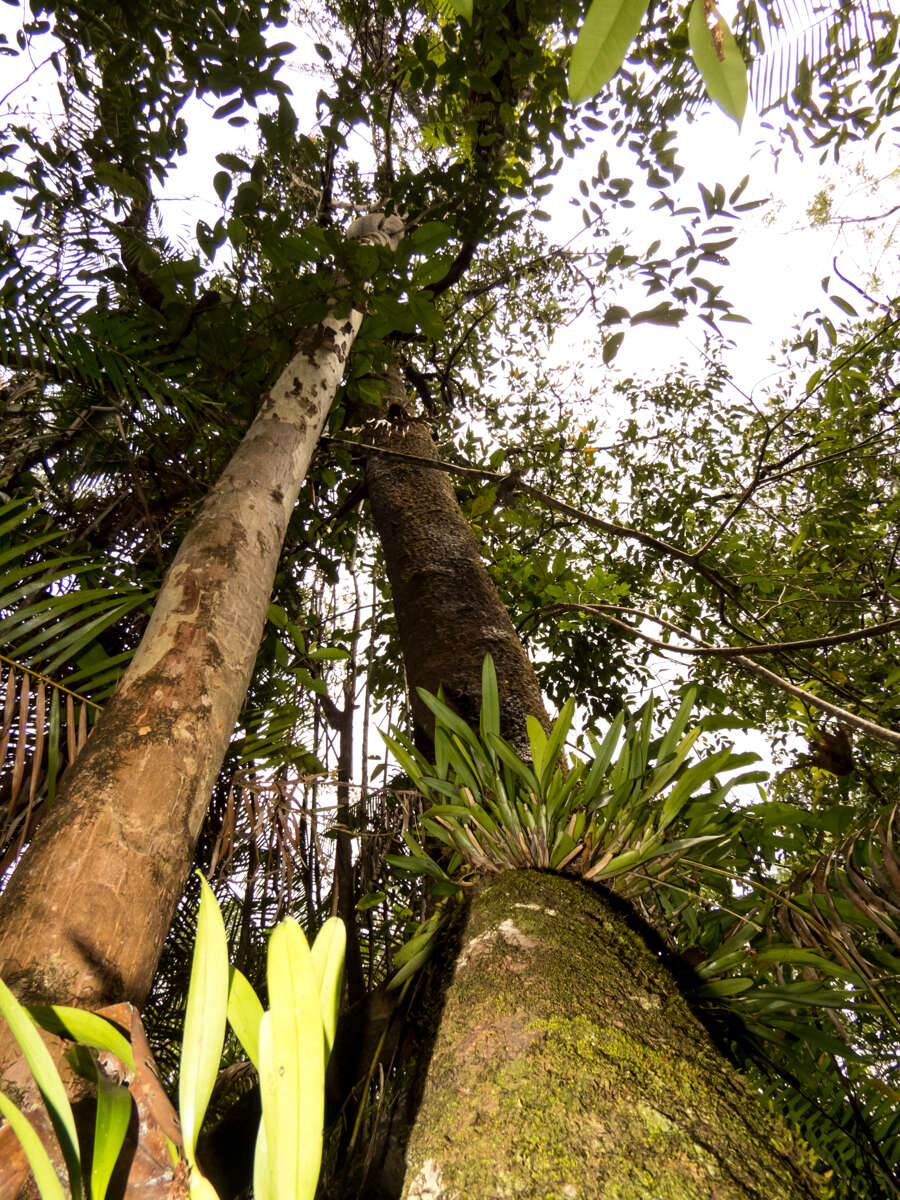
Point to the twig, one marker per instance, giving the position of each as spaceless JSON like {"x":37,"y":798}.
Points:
{"x":888,"y":737}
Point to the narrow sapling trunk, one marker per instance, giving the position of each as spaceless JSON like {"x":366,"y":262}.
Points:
{"x":448,"y":610}
{"x":568,"y":1063}
{"x":85,"y":914}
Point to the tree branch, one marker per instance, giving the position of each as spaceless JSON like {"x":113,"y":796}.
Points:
{"x":513,"y":483}
{"x":888,"y":737}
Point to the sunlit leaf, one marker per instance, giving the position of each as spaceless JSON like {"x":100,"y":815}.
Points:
{"x":45,"y":1178}
{"x":328,"y":960}
{"x":718,"y":59}
{"x":48,"y":1079}
{"x":244,"y":1013}
{"x":113,"y":1115}
{"x":292,"y":1065}
{"x":85,"y":1027}
{"x":609,"y":29}
{"x":204,"y":1024}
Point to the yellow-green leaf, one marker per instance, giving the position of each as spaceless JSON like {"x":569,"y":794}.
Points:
{"x":718,"y":60}
{"x":262,"y":1176}
{"x":48,"y":1185}
{"x":204,"y":1024}
{"x":609,"y":29}
{"x":85,"y":1027}
{"x":245,"y":1013}
{"x":113,"y":1115}
{"x":328,"y":960}
{"x":47,"y":1077}
{"x":201,"y":1188}
{"x":292,"y":1064}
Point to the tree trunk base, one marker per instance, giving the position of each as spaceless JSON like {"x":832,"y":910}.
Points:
{"x":568,"y":1064}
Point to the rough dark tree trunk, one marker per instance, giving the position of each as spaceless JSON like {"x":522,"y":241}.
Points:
{"x":448,"y":609}
{"x":569,"y":1064}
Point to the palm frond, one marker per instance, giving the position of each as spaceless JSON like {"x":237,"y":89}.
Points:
{"x":810,"y":32}
{"x":48,"y":617}
{"x":48,"y":329}
{"x":37,"y":742}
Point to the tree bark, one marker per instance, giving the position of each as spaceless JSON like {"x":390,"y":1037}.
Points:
{"x":568,"y":1063}
{"x":85,"y":914}
{"x":448,"y":610}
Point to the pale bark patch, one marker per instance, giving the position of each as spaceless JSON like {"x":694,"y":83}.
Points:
{"x":428,"y":1185}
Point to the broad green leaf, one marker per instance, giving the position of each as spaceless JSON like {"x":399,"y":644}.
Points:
{"x":113,"y":1115}
{"x":603,"y":751}
{"x":463,"y":7}
{"x":417,"y":862}
{"x":519,"y":769}
{"x":611,"y":347}
{"x":451,"y":720}
{"x":328,"y":959}
{"x":409,"y":764}
{"x":664,"y":773}
{"x":490,"y":701}
{"x":45,"y":1177}
{"x":419,"y":939}
{"x":693,"y":779}
{"x":410,"y":967}
{"x":676,"y":729}
{"x":537,"y":740}
{"x":244,"y":1013}
{"x":718,"y":60}
{"x":47,"y":1077}
{"x":204,"y":1023}
{"x":609,"y":29}
{"x":84,"y":1027}
{"x":292,"y":1064}
{"x":441,"y":759}
{"x":555,"y":742}
{"x":806,"y":958}
{"x":726,"y":987}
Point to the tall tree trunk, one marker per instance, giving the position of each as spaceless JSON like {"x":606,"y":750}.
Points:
{"x":448,"y":610}
{"x":85,"y":914}
{"x":568,"y":1064}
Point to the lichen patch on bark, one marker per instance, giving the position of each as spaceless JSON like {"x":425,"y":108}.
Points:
{"x":568,"y":1064}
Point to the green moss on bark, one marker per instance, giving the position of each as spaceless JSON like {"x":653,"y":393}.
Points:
{"x":568,"y":1064}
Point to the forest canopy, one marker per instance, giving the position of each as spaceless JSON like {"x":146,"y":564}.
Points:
{"x":281,"y":482}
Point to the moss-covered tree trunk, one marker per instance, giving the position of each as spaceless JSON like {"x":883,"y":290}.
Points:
{"x":448,"y":610}
{"x":568,"y":1064}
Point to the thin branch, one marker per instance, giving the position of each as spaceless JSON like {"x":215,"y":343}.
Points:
{"x":808,"y":466}
{"x":748,"y":491}
{"x":705,"y":650}
{"x":456,"y":270}
{"x":513,"y":483}
{"x":888,"y":737}
{"x":860,"y":291}
{"x":858,"y":220}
